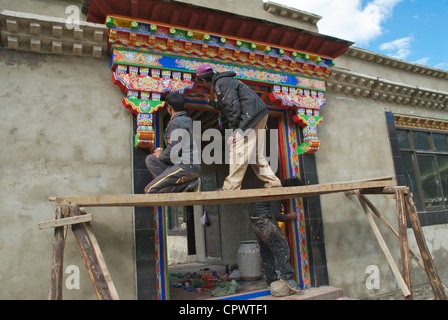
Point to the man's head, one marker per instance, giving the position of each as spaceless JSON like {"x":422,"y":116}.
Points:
{"x":175,"y":102}
{"x":204,"y":73}
{"x":292,"y":182}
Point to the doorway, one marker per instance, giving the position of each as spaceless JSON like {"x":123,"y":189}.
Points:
{"x":232,"y":228}
{"x":212,"y":228}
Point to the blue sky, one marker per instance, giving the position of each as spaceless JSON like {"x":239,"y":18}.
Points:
{"x":411,"y":30}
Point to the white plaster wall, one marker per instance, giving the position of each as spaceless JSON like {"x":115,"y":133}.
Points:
{"x":436,"y":241}
{"x":63,"y":131}
{"x":355,"y":145}
{"x":178,"y":249}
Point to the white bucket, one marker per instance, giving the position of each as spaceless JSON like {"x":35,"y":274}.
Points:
{"x":249,"y":261}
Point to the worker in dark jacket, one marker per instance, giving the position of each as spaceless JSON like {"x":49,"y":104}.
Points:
{"x":273,"y":244}
{"x":247,"y":115}
{"x":176,"y":168}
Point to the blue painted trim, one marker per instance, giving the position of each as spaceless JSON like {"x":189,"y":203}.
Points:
{"x":248,"y":296}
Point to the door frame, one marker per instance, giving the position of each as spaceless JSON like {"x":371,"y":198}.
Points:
{"x":290,"y":167}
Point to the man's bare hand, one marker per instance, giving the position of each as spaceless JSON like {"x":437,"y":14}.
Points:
{"x":204,"y":97}
{"x":157,"y":152}
{"x":291,"y":216}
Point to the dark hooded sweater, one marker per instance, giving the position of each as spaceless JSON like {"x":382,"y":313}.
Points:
{"x":240,"y":104}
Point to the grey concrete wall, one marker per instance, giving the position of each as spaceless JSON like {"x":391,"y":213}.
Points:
{"x":355,"y":145}
{"x":371,"y":68}
{"x":53,"y":8}
{"x":252,"y":9}
{"x":63,"y":131}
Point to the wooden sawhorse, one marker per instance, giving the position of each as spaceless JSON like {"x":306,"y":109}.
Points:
{"x":69,"y":212}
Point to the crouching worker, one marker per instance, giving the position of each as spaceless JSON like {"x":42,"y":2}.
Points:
{"x":272,"y":242}
{"x":176,"y":168}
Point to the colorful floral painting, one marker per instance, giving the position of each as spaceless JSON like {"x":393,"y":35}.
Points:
{"x":151,"y":60}
{"x":298,"y":226}
{"x":294,"y":100}
{"x":246,"y":73}
{"x":150,"y":84}
{"x":311,"y":83}
{"x":138,"y":58}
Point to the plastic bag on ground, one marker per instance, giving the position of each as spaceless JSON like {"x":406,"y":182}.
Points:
{"x":226,"y":288}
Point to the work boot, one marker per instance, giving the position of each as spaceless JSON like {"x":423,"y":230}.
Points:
{"x":291,"y":284}
{"x":280,"y":289}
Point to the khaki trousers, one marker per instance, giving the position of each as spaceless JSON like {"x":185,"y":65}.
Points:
{"x":247,"y":150}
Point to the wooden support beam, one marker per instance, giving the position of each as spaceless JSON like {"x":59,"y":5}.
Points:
{"x":394,"y":233}
{"x":383,"y":191}
{"x":436,"y":284}
{"x":219,"y":197}
{"x":403,"y":239}
{"x":389,"y":226}
{"x":93,"y":258}
{"x":384,"y":247}
{"x":380,"y":191}
{"x":57,"y":272}
{"x":65,"y":222}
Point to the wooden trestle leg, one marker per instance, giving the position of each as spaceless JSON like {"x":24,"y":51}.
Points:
{"x":70,"y":214}
{"x":430,"y":268}
{"x":93,"y":258}
{"x":60,"y":235}
{"x":403,"y":239}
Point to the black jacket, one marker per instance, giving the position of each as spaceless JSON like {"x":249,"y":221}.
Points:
{"x":240,"y":104}
{"x":188,"y":161}
{"x":268,"y":210}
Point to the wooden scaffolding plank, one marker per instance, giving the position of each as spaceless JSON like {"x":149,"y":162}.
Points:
{"x":220,"y":197}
